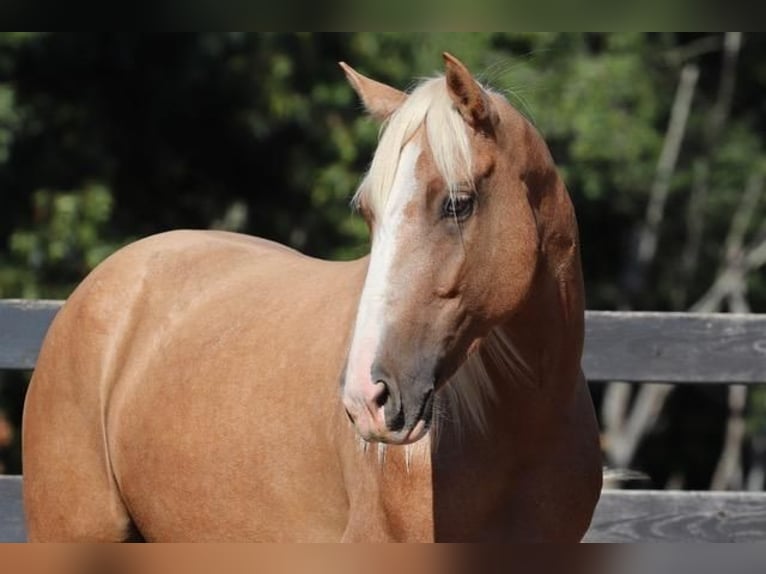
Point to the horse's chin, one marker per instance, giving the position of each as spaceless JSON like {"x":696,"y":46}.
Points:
{"x":400,"y":438}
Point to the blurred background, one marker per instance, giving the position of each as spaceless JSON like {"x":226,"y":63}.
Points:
{"x":105,"y":138}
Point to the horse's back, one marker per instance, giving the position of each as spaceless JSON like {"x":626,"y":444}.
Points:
{"x":162,"y":338}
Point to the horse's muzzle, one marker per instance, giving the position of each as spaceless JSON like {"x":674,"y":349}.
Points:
{"x":387,"y":412}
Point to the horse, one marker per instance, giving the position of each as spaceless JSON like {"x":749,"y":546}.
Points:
{"x":211,"y":386}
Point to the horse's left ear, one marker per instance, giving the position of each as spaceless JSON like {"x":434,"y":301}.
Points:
{"x":470,"y":100}
{"x":379,"y":99}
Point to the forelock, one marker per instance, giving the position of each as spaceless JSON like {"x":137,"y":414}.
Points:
{"x":447,"y":134}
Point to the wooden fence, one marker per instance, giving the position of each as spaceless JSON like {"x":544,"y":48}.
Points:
{"x":638,"y":347}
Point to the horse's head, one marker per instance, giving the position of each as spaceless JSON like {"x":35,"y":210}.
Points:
{"x":455,"y":242}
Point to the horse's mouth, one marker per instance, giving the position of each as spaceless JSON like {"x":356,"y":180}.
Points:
{"x":417,"y":432}
{"x":404,"y":436}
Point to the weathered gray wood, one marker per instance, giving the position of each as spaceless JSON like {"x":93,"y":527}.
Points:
{"x":621,"y":516}
{"x":674,"y":516}
{"x":629,"y":346}
{"x":23,"y":324}
{"x":11,"y":510}
{"x":675,"y":347}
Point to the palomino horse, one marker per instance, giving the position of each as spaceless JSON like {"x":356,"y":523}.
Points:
{"x":211,"y":386}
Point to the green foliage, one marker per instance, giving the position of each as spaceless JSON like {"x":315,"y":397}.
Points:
{"x":67,"y":241}
{"x":260,"y":133}
{"x":756,"y":420}
{"x":7,"y":121}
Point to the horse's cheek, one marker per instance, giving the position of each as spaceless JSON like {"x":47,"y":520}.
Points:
{"x":511,"y":265}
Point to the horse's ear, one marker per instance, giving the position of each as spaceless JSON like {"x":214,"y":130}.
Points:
{"x":379,"y":99}
{"x":470,"y":100}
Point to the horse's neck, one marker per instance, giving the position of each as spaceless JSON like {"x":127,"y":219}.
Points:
{"x":522,"y":383}
{"x":532,"y":356}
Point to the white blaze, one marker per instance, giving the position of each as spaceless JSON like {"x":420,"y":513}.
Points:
{"x":375,"y":294}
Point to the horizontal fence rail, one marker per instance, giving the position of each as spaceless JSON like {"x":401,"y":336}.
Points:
{"x":626,"y":346}
{"x":621,"y":516}
{"x":23,"y":324}
{"x":678,"y":516}
{"x":675,"y":347}
{"x":11,"y":510}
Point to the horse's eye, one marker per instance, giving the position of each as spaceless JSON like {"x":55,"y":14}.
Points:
{"x":459,"y":207}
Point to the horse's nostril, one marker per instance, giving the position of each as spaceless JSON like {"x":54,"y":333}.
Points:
{"x":382,"y":398}
{"x":396,"y":421}
{"x":388,"y":397}
{"x":351,"y":418}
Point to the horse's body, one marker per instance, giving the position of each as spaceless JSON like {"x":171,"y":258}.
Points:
{"x":189,"y":390}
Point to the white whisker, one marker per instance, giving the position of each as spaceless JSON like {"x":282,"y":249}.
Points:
{"x":382,"y":448}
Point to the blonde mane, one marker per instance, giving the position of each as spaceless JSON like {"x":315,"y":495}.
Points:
{"x":428,"y":104}
{"x":465,"y":396}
